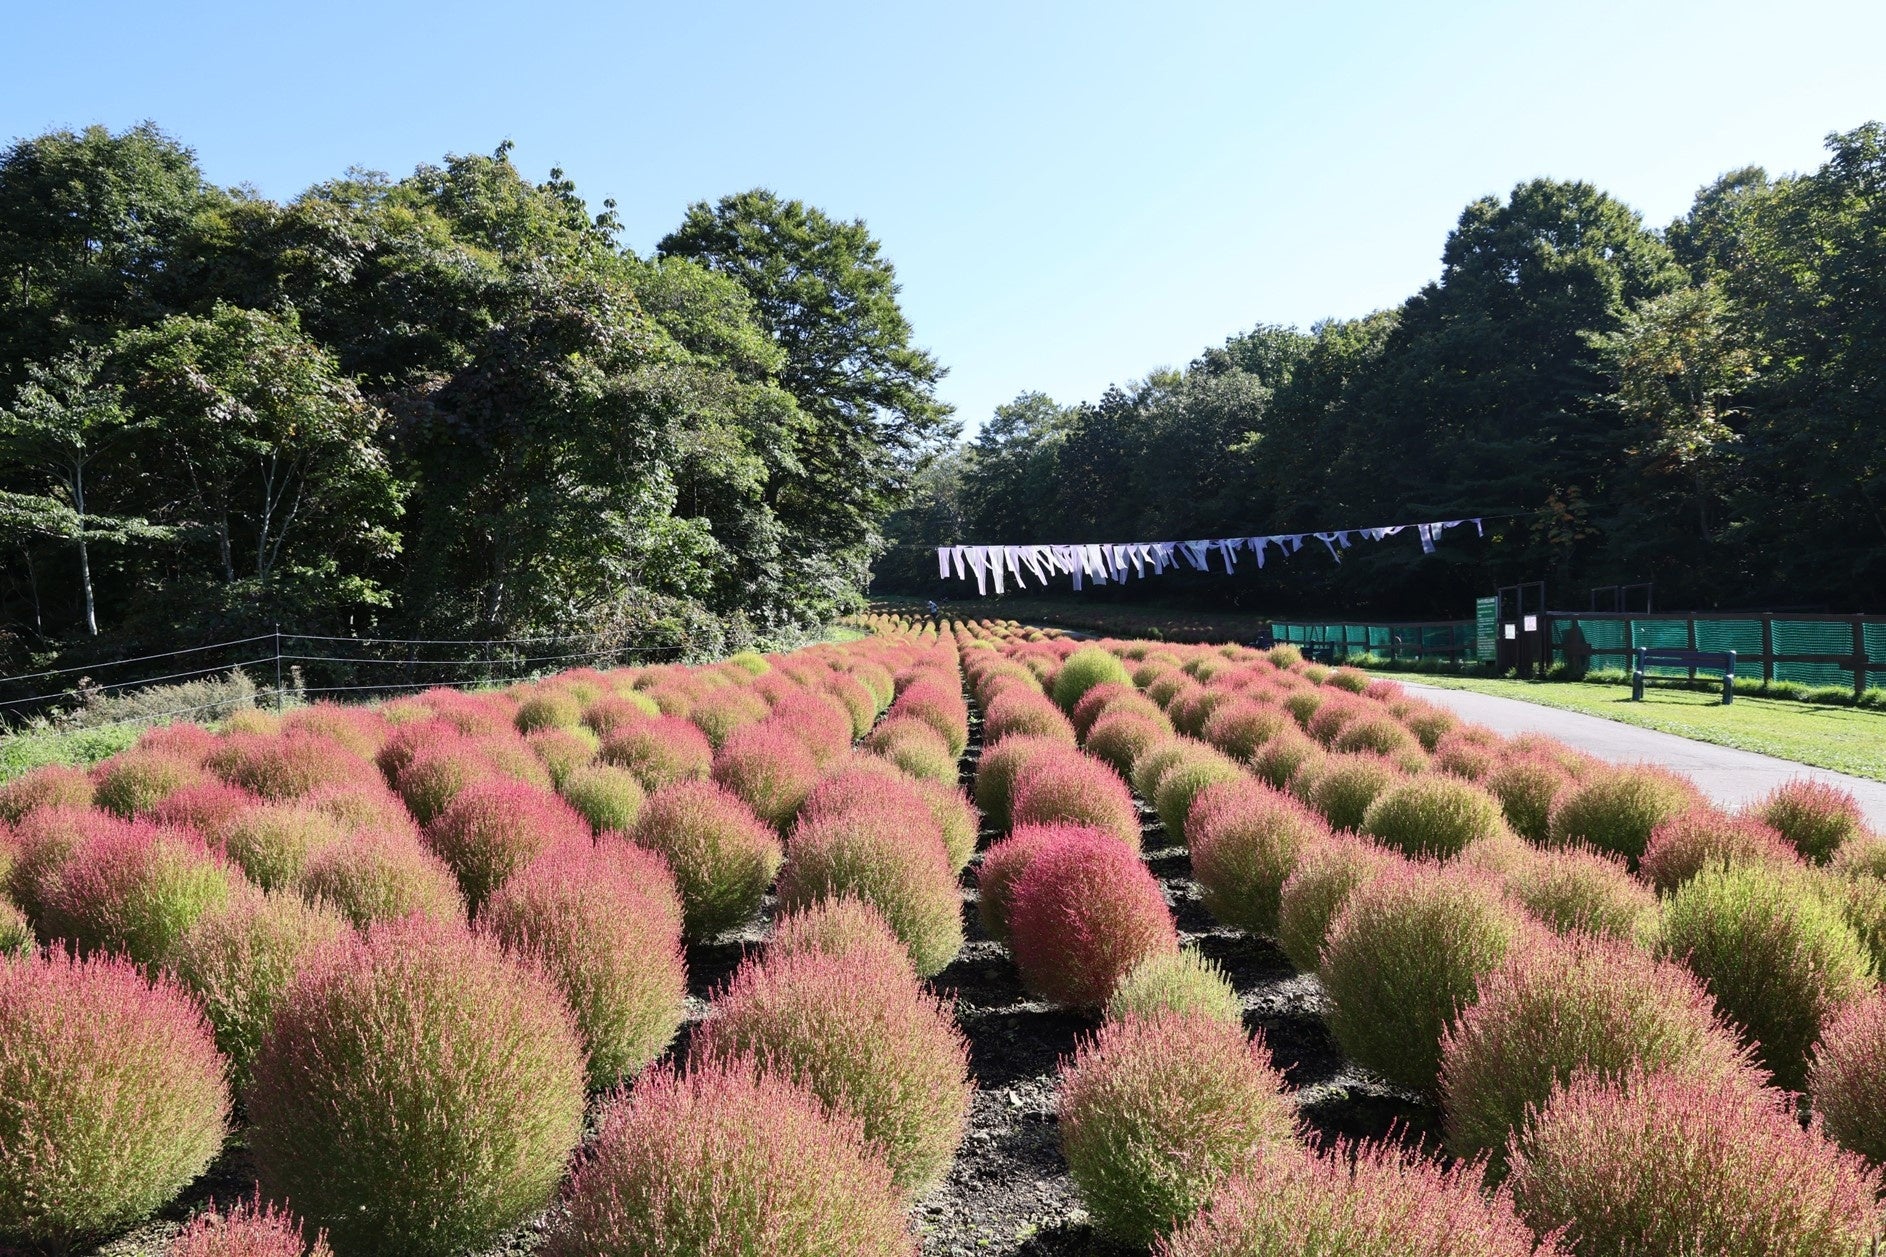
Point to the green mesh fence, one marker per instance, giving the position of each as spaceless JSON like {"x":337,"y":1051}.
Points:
{"x":1816,"y":652}
{"x":1451,"y":639}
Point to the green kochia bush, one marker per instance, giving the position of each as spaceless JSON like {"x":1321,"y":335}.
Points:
{"x":112,"y":1097}
{"x":608,"y":797}
{"x":1615,"y":809}
{"x":729,"y":1160}
{"x":418,"y":1091}
{"x":895,"y":861}
{"x":1246,"y":839}
{"x":857,"y":1033}
{"x":1817,"y":818}
{"x":1672,"y":1165}
{"x":383,"y":875}
{"x":1316,"y":890}
{"x":1372,"y":1200}
{"x":1775,"y":953}
{"x":1084,"y":669}
{"x":1156,"y":1112}
{"x":134,"y":887}
{"x":1558,"y":1007}
{"x":723,"y":856}
{"x":1578,"y":889}
{"x":1342,"y":786}
{"x":1433,"y":815}
{"x":998,"y":768}
{"x":1404,"y":957}
{"x":838,"y":926}
{"x":1198,"y":767}
{"x":1176,"y":982}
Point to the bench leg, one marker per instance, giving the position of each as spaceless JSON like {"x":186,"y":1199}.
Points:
{"x":1637,"y":687}
{"x":1728,"y":688}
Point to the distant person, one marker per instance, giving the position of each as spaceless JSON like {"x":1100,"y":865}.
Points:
{"x":936,"y":616}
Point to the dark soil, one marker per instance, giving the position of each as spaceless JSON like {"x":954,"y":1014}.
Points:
{"x":1008,"y":1191}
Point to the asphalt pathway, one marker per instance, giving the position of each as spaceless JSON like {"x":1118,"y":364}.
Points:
{"x":1728,"y":776}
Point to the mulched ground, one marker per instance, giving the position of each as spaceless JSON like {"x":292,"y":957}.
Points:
{"x":1008,"y":1191}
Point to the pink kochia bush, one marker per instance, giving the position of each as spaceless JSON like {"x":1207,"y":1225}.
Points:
{"x":1082,"y":914}
{"x":418,"y":1092}
{"x":1155,"y":1112}
{"x":1681,"y":846}
{"x":837,"y":927}
{"x":1817,"y":818}
{"x":998,"y":768}
{"x":1072,"y":788}
{"x":866,"y":780}
{"x":769,"y":768}
{"x":492,"y":829}
{"x":50,"y":785}
{"x":254,"y":1228}
{"x":112,"y":1097}
{"x":1367,"y":1200}
{"x":729,"y":1160}
{"x":1670,"y":1165}
{"x":1847,"y":1079}
{"x":857,"y":1033}
{"x":1005,"y":862}
{"x":723,"y":857}
{"x":660,"y":751}
{"x":892,"y":860}
{"x":383,"y":875}
{"x":134,"y":887}
{"x":613,"y":952}
{"x":1246,"y":838}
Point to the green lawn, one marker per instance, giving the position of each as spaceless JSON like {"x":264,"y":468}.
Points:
{"x":1845,"y":739}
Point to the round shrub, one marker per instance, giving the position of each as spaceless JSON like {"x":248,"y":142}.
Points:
{"x":491,"y":829}
{"x":1241,"y":728}
{"x":1317,"y":889}
{"x":254,"y":1228}
{"x":1577,"y":889}
{"x":42,"y":844}
{"x":915,"y":747}
{"x":1341,"y":787}
{"x":894,"y":861}
{"x":837,"y":927}
{"x":1403,"y":959}
{"x":729,"y":1160}
{"x":615,"y":712}
{"x":1106,"y":699}
{"x":112,"y":1097}
{"x":720,"y":711}
{"x":1182,"y":982}
{"x":1084,"y":669}
{"x":1367,"y":1200}
{"x":1776,"y":955}
{"x":383,"y":875}
{"x":723,"y":857}
{"x":436,"y":773}
{"x":606,"y":796}
{"x":287,"y":766}
{"x":1433,"y":815}
{"x":859,"y":1035}
{"x":417,"y":1092}
{"x":582,"y":919}
{"x":1246,"y":839}
{"x":1026,"y":713}
{"x":819,"y":721}
{"x":240,"y":959}
{"x":1682,"y":846}
{"x":273,"y":842}
{"x":1814,"y":816}
{"x":956,"y":817}
{"x":208,"y":807}
{"x":1559,"y":1007}
{"x":1071,"y":788}
{"x":1469,"y":752}
{"x":1615,"y":809}
{"x":1378,"y":735}
{"x":547,"y":708}
{"x":1863,"y":857}
{"x":1527,"y":786}
{"x":1189,"y":774}
{"x":49,"y":785}
{"x":1847,"y":1080}
{"x":997,"y":769}
{"x":1082,"y":914}
{"x":1151,"y":766}
{"x":1121,"y":737}
{"x":938,"y":704}
{"x":1668,"y":1165}
{"x":660,"y":751}
{"x":1156,"y":1112}
{"x":1428,"y":723}
{"x":769,"y":769}
{"x":563,"y":751}
{"x":1004,"y":862}
{"x":136,"y":781}
{"x":135,"y":888}
{"x":867,"y":781}
{"x":1281,"y":758}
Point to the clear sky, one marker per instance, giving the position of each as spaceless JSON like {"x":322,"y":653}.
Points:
{"x":1072,"y":193}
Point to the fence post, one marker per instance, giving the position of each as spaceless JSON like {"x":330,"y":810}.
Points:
{"x":1768,"y":647}
{"x":1859,"y":657}
{"x":1691,"y":624}
{"x":281,"y":703}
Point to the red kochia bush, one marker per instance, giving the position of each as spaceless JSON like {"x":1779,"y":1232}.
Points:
{"x":112,"y":1097}
{"x":1366,"y":1200}
{"x":940,"y":705}
{"x":1246,"y":839}
{"x":383,"y":875}
{"x":134,"y":888}
{"x":288,"y":766}
{"x":895,"y":861}
{"x":494,"y":828}
{"x":729,"y":1160}
{"x":723,"y":857}
{"x":49,"y":785}
{"x":1669,"y":1165}
{"x":769,"y":767}
{"x":1156,"y":1111}
{"x":1681,"y":846}
{"x":1082,"y":914}
{"x":867,"y":781}
{"x":1812,"y":815}
{"x":582,"y":919}
{"x":1005,"y":862}
{"x":1847,"y":1079}
{"x":207,"y":807}
{"x":418,"y":1091}
{"x":254,"y":1228}
{"x":1241,"y":727}
{"x":818,"y":720}
{"x":1026,"y":712}
{"x":660,"y":751}
{"x":857,"y":1033}
{"x":1068,"y":787}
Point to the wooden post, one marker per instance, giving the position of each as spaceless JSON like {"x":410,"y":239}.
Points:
{"x":1768,"y":646}
{"x":1859,"y":657}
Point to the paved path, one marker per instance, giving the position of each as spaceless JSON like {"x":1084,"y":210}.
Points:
{"x":1728,"y":776}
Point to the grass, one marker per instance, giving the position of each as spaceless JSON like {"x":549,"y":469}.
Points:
{"x":25,"y":751}
{"x":1845,"y":739}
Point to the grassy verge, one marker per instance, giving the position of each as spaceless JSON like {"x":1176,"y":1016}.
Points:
{"x":24,"y":751}
{"x":1845,"y":739}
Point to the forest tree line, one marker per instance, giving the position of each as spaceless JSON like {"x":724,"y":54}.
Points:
{"x":1702,"y":406}
{"x":448,"y":405}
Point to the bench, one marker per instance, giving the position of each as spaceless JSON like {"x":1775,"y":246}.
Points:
{"x":1319,"y":652}
{"x":1648,"y":657}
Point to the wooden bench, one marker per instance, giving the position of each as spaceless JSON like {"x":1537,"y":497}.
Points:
{"x":1648,"y":657}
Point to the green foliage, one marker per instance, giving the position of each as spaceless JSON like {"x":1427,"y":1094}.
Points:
{"x":1182,"y":982}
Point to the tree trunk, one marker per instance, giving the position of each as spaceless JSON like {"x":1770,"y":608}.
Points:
{"x":85,"y":549}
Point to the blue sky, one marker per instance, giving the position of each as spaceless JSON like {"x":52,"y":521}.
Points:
{"x":1072,"y":193}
